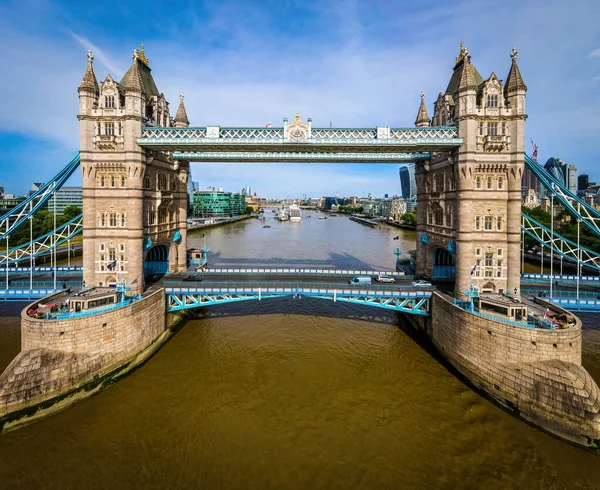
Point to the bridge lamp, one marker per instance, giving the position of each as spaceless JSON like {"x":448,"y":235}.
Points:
{"x":6,"y":267}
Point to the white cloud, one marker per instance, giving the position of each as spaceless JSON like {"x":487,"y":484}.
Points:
{"x":595,"y":53}
{"x":98,"y":54}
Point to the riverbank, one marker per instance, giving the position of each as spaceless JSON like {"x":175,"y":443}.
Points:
{"x":194,"y":228}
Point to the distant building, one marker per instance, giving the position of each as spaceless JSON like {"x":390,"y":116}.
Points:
{"x":583,"y":182}
{"x":9,"y":201}
{"x":565,"y":173}
{"x":331,"y":203}
{"x":529,"y":182}
{"x":408,"y":184}
{"x":214,"y":202}
{"x":1,"y":192}
{"x":531,"y":199}
{"x":64,"y":197}
{"x":35,"y":186}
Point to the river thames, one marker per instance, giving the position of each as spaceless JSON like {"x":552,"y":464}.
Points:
{"x":292,"y":394}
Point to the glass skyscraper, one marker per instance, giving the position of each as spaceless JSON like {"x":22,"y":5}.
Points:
{"x":408,"y":184}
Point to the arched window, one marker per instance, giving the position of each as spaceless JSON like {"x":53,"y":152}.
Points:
{"x":162,"y":182}
{"x":162,"y":215}
{"x":492,"y":100}
{"x":439,"y":217}
{"x":103,"y":219}
{"x":439,"y":183}
{"x":113,"y":219}
{"x":123,"y":220}
{"x":147,"y":182}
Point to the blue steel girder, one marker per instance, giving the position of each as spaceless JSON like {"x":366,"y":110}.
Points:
{"x":43,"y":244}
{"x":416,"y":302}
{"x":18,"y":215}
{"x":576,"y":207}
{"x":298,"y":157}
{"x":316,"y":140}
{"x":558,"y":244}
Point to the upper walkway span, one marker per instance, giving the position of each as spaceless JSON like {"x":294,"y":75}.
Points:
{"x":301,"y":142}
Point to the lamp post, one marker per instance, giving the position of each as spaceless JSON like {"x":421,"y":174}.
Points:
{"x":31,"y":252}
{"x":6,"y":266}
{"x":551,"y":242}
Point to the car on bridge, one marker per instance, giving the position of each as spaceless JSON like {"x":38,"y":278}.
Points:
{"x":384,"y":278}
{"x":360,"y":281}
{"x":193,"y":279}
{"x":421,"y":283}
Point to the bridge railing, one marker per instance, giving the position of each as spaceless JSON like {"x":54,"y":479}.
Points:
{"x":298,"y":285}
{"x":302,"y":272}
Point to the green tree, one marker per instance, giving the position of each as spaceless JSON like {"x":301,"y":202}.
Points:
{"x":409,"y":219}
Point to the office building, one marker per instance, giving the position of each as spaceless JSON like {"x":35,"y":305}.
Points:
{"x":583,"y":182}
{"x":408,"y":184}
{"x":215,"y":203}
{"x":65,"y":196}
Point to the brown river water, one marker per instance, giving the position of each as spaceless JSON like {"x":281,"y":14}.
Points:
{"x":292,"y":394}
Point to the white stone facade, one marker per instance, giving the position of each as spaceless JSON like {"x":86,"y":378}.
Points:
{"x":469,"y":202}
{"x":132,"y":197}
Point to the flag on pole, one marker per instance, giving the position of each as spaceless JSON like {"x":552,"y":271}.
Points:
{"x":112,"y":265}
{"x":269,"y":125}
{"x":473,"y":269}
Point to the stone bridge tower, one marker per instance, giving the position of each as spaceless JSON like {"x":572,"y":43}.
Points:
{"x":134,"y":200}
{"x":469,"y":202}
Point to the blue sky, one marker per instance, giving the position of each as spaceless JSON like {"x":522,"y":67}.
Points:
{"x":247,"y":63}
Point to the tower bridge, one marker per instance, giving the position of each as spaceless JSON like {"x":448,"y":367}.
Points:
{"x":469,"y":159}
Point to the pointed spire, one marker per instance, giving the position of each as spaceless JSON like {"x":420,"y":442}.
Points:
{"x":89,"y":81}
{"x":422,"y":117}
{"x":467,"y":79}
{"x":514,"y":81}
{"x":132,"y":80}
{"x":181,"y":119}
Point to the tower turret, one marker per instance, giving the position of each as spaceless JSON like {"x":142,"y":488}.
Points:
{"x":88,"y":88}
{"x":422,"y":117}
{"x":515,"y":89}
{"x":181,"y":119}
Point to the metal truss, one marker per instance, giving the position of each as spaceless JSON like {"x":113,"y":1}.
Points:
{"x":345,"y":140}
{"x":558,"y":244}
{"x":292,"y":156}
{"x":413,"y":302}
{"x":43,"y":244}
{"x":574,"y":206}
{"x":17,"y":216}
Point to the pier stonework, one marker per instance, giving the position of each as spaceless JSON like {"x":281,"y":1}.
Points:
{"x":469,"y":201}
{"x":536,"y":373}
{"x":134,"y":199}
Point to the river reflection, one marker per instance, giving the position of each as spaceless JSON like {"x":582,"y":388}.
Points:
{"x":292,"y":393}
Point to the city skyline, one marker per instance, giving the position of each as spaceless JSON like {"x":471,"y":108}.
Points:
{"x":250,"y":65}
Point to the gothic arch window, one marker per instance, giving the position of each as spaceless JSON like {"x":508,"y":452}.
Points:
{"x":449,"y":218}
{"x":429,"y":215}
{"x":162,"y":215}
{"x":492,"y":129}
{"x":112,"y":219}
{"x":103,"y":219}
{"x":123,"y":220}
{"x":439,"y":217}
{"x":499,"y":223}
{"x":162,"y":182}
{"x":480,"y":129}
{"x":492,"y":100}
{"x":438,"y":183}
{"x":109,"y":128}
{"x":109,"y":101}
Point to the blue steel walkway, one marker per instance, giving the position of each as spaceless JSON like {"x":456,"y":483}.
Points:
{"x":182,"y":296}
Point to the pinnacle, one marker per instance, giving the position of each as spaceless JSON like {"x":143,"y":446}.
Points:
{"x":514,"y":81}
{"x":181,"y":119}
{"x":422,"y":117}
{"x":89,"y":80}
